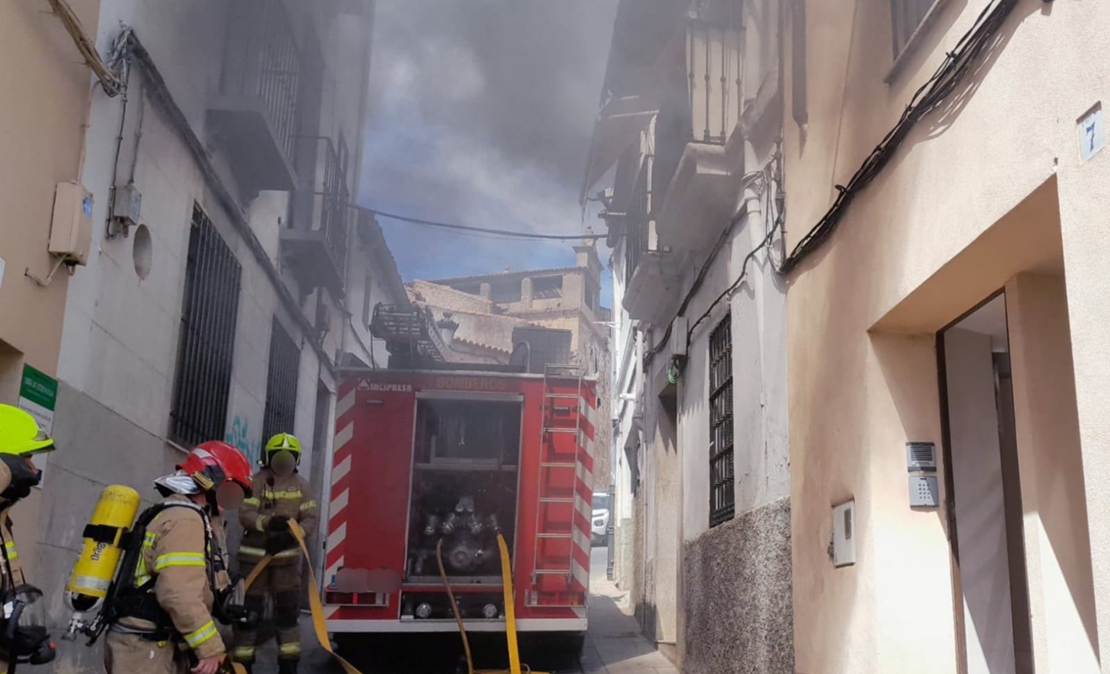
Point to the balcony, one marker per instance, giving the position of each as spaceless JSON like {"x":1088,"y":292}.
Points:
{"x":655,"y":289}
{"x":254,"y":113}
{"x":315,"y":244}
{"x":699,"y":162}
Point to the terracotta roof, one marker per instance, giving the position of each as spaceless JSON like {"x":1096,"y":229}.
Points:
{"x":446,"y":297}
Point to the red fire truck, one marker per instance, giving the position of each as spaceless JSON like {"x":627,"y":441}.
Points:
{"x":449,"y":458}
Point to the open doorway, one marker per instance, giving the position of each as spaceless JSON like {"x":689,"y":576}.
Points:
{"x":984,"y":492}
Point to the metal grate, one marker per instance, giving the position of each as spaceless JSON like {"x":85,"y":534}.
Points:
{"x":261,"y":59}
{"x":281,"y":383}
{"x":714,"y":64}
{"x":207,"y":343}
{"x":722,"y":498}
{"x":906,"y":17}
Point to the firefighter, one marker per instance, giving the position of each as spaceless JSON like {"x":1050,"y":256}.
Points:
{"x":280,"y":495}
{"x":163,"y":620}
{"x":20,"y":439}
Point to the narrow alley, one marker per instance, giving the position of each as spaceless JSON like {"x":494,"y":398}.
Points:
{"x":617,"y":336}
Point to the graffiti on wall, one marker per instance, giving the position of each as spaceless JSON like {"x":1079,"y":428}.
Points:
{"x":239,"y":435}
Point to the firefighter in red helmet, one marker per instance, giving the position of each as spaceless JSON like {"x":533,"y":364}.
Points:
{"x":164,"y":619}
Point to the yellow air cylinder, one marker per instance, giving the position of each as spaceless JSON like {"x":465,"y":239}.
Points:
{"x":92,"y":575}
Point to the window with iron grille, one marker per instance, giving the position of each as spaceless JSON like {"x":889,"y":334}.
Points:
{"x":906,"y":17}
{"x":207,"y":344}
{"x":721,"y":474}
{"x":281,"y":383}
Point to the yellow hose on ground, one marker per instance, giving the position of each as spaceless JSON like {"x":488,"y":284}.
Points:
{"x":319,"y":623}
{"x":515,"y":666}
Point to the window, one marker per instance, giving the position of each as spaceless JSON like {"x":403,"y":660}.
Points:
{"x":547,"y":288}
{"x":281,"y":383}
{"x":906,"y":16}
{"x":721,"y":488}
{"x":504,"y":292}
{"x":367,"y":295}
{"x":207,"y":343}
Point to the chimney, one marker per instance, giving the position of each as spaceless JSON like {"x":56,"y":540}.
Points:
{"x":447,"y":327}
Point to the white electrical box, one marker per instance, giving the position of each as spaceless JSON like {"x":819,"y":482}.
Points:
{"x":128,"y":205}
{"x":679,"y":331}
{"x":844,"y":534}
{"x":71,"y":228}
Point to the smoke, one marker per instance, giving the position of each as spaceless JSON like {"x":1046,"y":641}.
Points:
{"x":481,"y":113}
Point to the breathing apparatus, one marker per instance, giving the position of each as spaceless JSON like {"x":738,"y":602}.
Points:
{"x":105,"y":539}
{"x":24,"y":634}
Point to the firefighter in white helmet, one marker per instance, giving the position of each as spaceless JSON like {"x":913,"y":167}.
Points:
{"x":23,"y":636}
{"x":280,"y":495}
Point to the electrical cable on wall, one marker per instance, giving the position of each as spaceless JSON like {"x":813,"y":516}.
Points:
{"x":957,"y":64}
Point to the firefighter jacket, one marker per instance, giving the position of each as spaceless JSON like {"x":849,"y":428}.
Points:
{"x":11,"y":572}
{"x":289,"y":496}
{"x":183,"y":560}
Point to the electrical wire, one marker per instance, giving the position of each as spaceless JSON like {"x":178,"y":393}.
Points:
{"x":507,"y":233}
{"x":757,"y":179}
{"x":955,"y":67}
{"x":109,"y":80}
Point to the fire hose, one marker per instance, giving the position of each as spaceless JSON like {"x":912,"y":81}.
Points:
{"x":319,"y":622}
{"x":515,"y":666}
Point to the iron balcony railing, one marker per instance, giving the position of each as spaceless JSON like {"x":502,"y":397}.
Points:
{"x":261,"y":59}
{"x":329,"y":210}
{"x":714,"y":64}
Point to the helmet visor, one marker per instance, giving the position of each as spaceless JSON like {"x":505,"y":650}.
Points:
{"x":230,"y":495}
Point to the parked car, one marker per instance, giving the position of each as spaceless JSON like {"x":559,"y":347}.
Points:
{"x":600,"y":520}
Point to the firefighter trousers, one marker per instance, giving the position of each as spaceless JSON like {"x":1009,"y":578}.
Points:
{"x":282,"y":583}
{"x":132,"y":654}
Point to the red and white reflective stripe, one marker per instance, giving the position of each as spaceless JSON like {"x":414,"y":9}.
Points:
{"x":340,"y":486}
{"x":583,"y":494}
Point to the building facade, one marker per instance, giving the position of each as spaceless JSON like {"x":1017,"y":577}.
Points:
{"x":488,"y":312}
{"x":230,"y":275}
{"x":946,"y":336}
{"x":42,"y":132}
{"x":690,"y":133}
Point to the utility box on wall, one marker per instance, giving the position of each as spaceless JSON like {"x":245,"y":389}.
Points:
{"x":71,"y":228}
{"x":844,"y":534}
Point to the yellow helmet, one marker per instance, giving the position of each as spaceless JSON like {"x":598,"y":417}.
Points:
{"x":20,"y":433}
{"x":286,"y":442}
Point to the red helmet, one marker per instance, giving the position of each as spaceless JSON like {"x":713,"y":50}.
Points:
{"x":213,"y":463}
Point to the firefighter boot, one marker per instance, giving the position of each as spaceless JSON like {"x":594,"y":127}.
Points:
{"x":288,"y":666}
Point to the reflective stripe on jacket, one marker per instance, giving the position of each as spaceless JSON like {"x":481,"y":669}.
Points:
{"x":289,"y":496}
{"x":175,"y":555}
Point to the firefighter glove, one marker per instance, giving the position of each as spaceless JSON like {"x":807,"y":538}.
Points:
{"x":280,"y":542}
{"x":278,"y":524}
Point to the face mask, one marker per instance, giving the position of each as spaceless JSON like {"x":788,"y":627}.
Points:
{"x":283,"y":463}
{"x":229,"y":496}
{"x":24,"y":476}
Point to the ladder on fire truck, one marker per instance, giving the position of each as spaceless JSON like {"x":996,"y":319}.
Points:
{"x":556,"y":470}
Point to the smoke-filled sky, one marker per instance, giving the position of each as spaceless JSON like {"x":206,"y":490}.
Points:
{"x":481,"y":113}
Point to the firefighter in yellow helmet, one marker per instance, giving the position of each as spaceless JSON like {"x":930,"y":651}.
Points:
{"x":280,"y":495}
{"x":23,"y":636}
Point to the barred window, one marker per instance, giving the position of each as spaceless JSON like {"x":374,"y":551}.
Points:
{"x":906,"y":17}
{"x":281,"y":383}
{"x":207,"y":343}
{"x":722,"y":498}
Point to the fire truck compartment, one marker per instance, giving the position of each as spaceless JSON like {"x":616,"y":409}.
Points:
{"x":464,"y":489}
